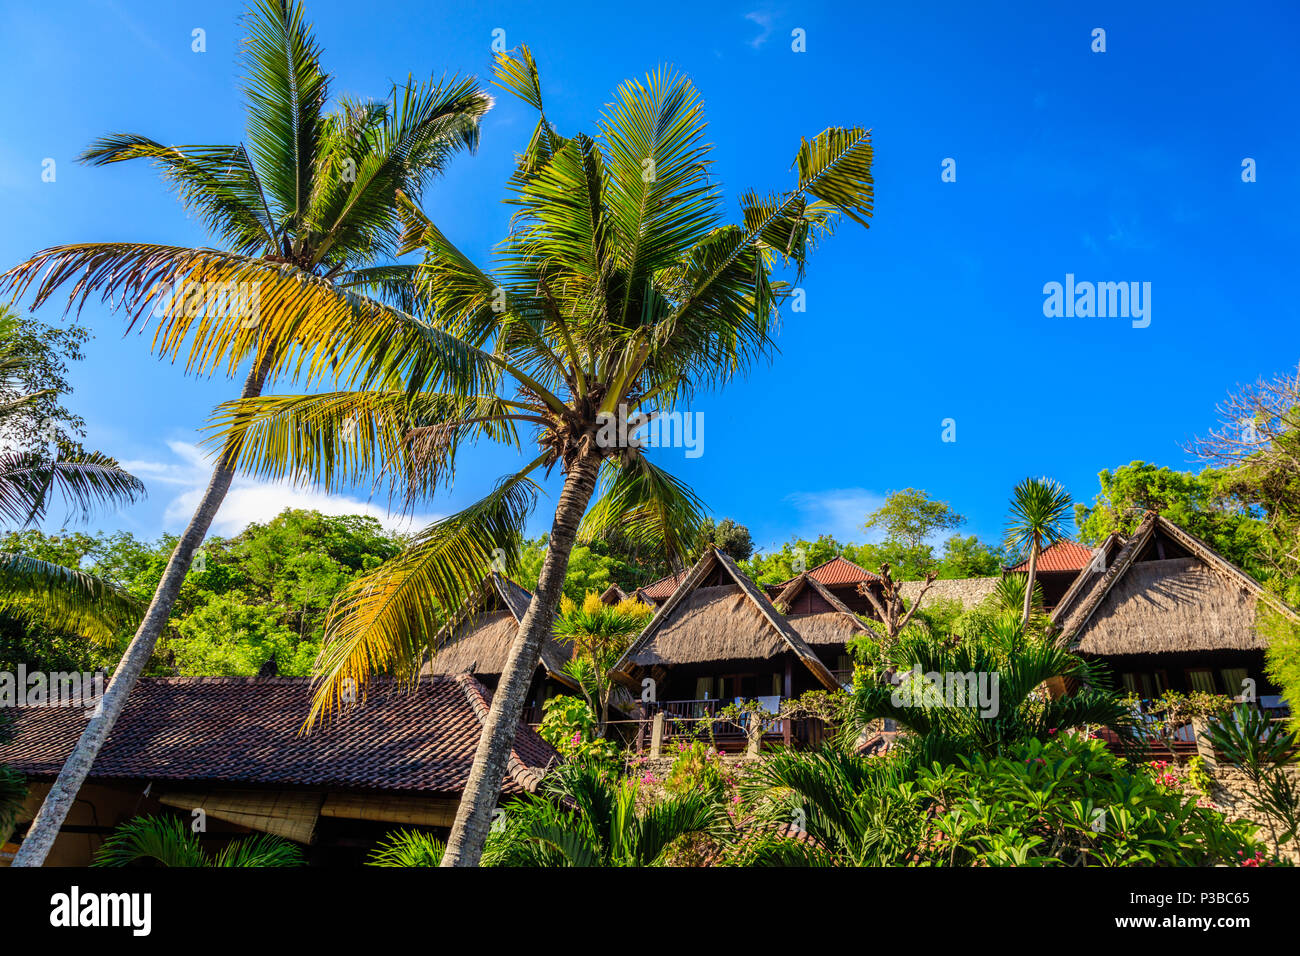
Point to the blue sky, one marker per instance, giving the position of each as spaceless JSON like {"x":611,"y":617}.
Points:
{"x":1115,"y":166}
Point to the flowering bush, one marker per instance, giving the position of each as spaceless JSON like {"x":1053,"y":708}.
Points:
{"x":569,"y":726}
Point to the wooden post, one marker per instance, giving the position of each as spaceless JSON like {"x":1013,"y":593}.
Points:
{"x":657,"y":735}
{"x":789,"y":692}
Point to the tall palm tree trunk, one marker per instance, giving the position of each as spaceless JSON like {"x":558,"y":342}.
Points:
{"x":43,"y":830}
{"x":1029,"y":584}
{"x":474,"y":815}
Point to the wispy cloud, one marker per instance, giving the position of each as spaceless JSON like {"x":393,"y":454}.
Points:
{"x":249,"y":500}
{"x":764,"y":19}
{"x":836,"y":511}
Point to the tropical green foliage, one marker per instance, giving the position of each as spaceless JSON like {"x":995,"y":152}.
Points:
{"x":586,"y":819}
{"x":980,"y":693}
{"x":1066,"y":801}
{"x":258,"y":598}
{"x":599,"y":634}
{"x":1201,"y":503}
{"x":571,"y":726}
{"x":166,"y":841}
{"x":407,"y":848}
{"x":1264,"y":751}
{"x":13,"y":787}
{"x":42,"y":462}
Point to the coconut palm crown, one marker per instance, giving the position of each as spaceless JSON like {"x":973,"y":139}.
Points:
{"x":620,"y":288}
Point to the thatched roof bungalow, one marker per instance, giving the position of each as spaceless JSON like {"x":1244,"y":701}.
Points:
{"x":477,"y":641}
{"x":841,"y":577}
{"x":822,"y":619}
{"x":718,"y":637}
{"x":1166,"y":611}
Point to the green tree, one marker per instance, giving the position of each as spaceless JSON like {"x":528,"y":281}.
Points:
{"x":727,"y":536}
{"x":1038,"y":510}
{"x":619,"y":289}
{"x":950,"y":715}
{"x":1202,"y":503}
{"x":307,"y":216}
{"x":599,"y":633}
{"x":969,"y":557}
{"x":39,"y":466}
{"x":908,"y":518}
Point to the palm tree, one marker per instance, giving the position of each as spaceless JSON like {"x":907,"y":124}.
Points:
{"x":1005,"y":705}
{"x":30,"y":478}
{"x":829,"y":808}
{"x":407,"y":848}
{"x":584,"y":819}
{"x":1039,"y":507}
{"x":307,"y":215}
{"x":620,"y":289}
{"x":167,"y":842}
{"x":599,"y":633}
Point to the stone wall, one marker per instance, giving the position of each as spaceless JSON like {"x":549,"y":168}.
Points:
{"x":969,"y":591}
{"x":1232,"y":795}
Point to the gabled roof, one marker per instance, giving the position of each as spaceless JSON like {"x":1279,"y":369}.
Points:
{"x":477,"y":640}
{"x":838,"y":571}
{"x":836,"y":625}
{"x":1195,"y":600}
{"x":246,"y":731}
{"x":764,"y":634}
{"x":1064,"y":555}
{"x":613,"y":595}
{"x":656,"y":592}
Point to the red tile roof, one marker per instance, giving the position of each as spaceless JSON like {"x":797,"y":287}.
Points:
{"x":1065,"y":555}
{"x":664,"y":587}
{"x":245,"y":730}
{"x":837,"y":571}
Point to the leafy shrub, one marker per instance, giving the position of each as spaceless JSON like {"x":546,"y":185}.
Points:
{"x":570,"y":726}
{"x":697,"y":768}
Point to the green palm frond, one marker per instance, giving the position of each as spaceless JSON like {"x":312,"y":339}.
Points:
{"x":645,"y":504}
{"x":218,"y":183}
{"x":166,"y":841}
{"x":407,"y":848}
{"x":67,"y":599}
{"x":337,"y":439}
{"x":1039,"y":508}
{"x":85,"y":480}
{"x":385,"y":620}
{"x":286,"y":91}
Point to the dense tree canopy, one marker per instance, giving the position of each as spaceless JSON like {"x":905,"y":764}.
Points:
{"x":1200,"y":502}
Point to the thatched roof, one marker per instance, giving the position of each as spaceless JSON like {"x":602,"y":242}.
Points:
{"x":730,"y":618}
{"x":817,"y":613}
{"x":613,"y":595}
{"x":1162,"y":591}
{"x":478,"y":640}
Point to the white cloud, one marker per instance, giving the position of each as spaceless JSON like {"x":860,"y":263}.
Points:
{"x":836,"y":511}
{"x":250,"y":500}
{"x":764,"y":20}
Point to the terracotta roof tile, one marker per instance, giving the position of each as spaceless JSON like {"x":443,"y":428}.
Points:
{"x":1065,"y":555}
{"x":836,"y":571}
{"x":246,"y":730}
{"x":664,"y":587}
